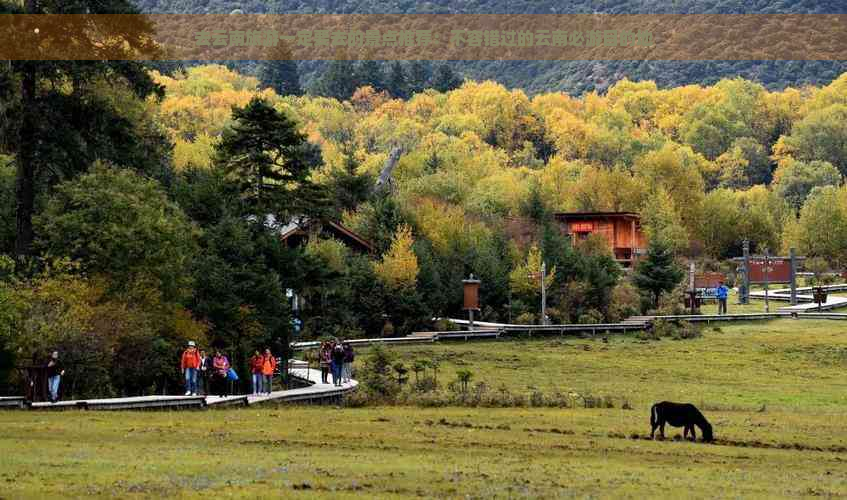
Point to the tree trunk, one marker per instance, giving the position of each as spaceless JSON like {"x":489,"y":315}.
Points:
{"x":25,"y":175}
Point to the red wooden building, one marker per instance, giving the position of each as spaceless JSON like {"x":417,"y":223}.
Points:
{"x":622,"y":230}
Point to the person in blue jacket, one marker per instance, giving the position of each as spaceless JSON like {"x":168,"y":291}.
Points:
{"x":721,"y":294}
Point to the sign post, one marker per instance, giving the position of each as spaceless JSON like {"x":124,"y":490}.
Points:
{"x":792,"y":255}
{"x":767,"y":268}
{"x":543,"y":295}
{"x":692,"y":290}
{"x":471,"y":298}
{"x":745,"y":283}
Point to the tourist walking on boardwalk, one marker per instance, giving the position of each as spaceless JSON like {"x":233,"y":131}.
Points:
{"x":337,"y":363}
{"x":189,"y":364}
{"x":203,"y":375}
{"x":54,"y":376}
{"x":268,"y":368}
{"x":347,"y":369}
{"x":325,"y":358}
{"x":220,"y":368}
{"x":256,"y":368}
{"x":722,"y":293}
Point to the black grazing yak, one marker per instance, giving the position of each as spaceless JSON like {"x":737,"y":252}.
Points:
{"x":679,"y":415}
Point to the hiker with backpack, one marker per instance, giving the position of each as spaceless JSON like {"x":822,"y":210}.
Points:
{"x":268,"y":369}
{"x":220,"y":372}
{"x":337,"y":363}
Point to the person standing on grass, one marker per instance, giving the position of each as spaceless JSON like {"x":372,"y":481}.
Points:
{"x":54,"y":375}
{"x":203,"y":375}
{"x":325,"y":359}
{"x":220,"y":368}
{"x":189,"y":365}
{"x":268,"y":368}
{"x":337,"y":363}
{"x":347,"y":369}
{"x":722,"y":293}
{"x":256,"y":368}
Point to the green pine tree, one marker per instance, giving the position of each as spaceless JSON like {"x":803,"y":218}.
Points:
{"x":370,"y":73}
{"x":338,"y":81}
{"x":64,"y":128}
{"x":658,"y":272}
{"x":419,"y":75}
{"x":271,"y":160}
{"x":445,"y":80}
{"x":397,"y":85}
{"x":280,"y":72}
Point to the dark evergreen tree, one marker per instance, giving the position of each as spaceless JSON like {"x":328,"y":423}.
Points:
{"x":445,"y":79}
{"x":658,"y":272}
{"x":534,"y":207}
{"x":238,"y":288}
{"x":397,"y":85}
{"x":271,"y":160}
{"x":419,"y":75}
{"x":63,"y":128}
{"x":370,"y":73}
{"x":280,"y":72}
{"x":338,"y":80}
{"x":348,"y":187}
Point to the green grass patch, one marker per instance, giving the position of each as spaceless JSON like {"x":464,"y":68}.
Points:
{"x":792,"y":364}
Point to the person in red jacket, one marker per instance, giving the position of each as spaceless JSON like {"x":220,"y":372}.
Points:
{"x":189,"y":364}
{"x":256,"y":369}
{"x":268,"y":368}
{"x":220,"y":368}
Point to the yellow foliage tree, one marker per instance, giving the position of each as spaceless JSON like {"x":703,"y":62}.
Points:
{"x":331,"y":251}
{"x":525,"y":277}
{"x":399,"y":266}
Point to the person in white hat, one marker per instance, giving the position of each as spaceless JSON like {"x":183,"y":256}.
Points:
{"x":189,"y":365}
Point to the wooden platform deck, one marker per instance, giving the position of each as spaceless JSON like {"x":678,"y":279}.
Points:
{"x":132,"y":403}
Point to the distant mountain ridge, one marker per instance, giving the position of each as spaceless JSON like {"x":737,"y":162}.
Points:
{"x":574,"y":77}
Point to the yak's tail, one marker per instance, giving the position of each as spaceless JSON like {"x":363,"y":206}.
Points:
{"x":654,"y":415}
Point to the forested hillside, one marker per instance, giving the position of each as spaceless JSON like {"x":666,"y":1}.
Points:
{"x":140,"y":209}
{"x":149,"y":224}
{"x":573,"y":77}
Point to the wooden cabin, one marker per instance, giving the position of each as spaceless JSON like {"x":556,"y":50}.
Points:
{"x":296,"y":233}
{"x":622,"y":230}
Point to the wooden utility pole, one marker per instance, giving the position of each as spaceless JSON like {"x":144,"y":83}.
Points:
{"x":745,"y":283}
{"x":692,"y":290}
{"x":543,"y":294}
{"x":767,"y":265}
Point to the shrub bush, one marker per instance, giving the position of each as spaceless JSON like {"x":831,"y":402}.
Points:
{"x":377,"y":377}
{"x":590,"y":317}
{"x":688,"y":330}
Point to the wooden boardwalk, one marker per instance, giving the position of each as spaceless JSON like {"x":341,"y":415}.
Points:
{"x":804,"y":295}
{"x":319,"y":392}
{"x":12,"y":402}
{"x":314,"y":392}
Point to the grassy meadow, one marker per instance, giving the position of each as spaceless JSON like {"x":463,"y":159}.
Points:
{"x":775,"y":393}
{"x":795,"y":365}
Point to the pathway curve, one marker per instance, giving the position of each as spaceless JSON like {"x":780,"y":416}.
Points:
{"x":804,"y":295}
